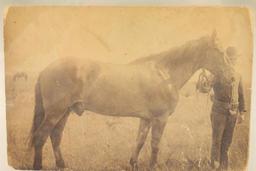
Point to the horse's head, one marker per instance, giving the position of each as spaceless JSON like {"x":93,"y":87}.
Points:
{"x":214,"y":60}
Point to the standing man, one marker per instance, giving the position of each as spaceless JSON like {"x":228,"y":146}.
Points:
{"x":228,"y":108}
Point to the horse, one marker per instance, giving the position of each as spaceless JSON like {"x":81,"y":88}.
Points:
{"x":146,"y":88}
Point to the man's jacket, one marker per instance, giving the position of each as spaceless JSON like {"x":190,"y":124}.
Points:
{"x":228,"y":92}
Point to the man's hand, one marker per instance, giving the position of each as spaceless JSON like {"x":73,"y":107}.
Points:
{"x":240,"y":118}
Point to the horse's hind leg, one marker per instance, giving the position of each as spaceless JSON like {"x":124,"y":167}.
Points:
{"x":158,"y":126}
{"x":141,"y":137}
{"x":56,"y":136}
{"x":40,"y":138}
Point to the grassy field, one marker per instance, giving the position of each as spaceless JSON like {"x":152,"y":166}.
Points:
{"x":101,"y":143}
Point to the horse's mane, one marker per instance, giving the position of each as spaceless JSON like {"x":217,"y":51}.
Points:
{"x":173,"y":54}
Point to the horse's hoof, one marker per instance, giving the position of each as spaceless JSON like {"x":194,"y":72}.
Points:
{"x":37,"y":167}
{"x":60,"y":164}
{"x":153,"y":166}
{"x":134,"y":165}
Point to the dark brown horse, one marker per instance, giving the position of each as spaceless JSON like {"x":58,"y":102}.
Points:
{"x":146,"y":88}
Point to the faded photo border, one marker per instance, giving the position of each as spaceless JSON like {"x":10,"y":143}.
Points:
{"x":4,"y":4}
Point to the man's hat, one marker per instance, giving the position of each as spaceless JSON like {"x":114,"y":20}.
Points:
{"x":232,"y":52}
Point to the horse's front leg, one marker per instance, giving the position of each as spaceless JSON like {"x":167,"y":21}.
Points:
{"x":141,"y":137}
{"x":158,"y":125}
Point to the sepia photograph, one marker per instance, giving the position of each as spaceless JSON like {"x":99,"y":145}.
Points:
{"x":128,"y":88}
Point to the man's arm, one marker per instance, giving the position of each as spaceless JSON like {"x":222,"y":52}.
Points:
{"x":241,"y":100}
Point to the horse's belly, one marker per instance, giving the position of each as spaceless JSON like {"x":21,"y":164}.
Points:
{"x":113,"y":104}
{"x":125,"y":103}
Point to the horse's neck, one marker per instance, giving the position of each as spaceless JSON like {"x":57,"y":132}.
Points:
{"x":181,"y":68}
{"x":180,"y":74}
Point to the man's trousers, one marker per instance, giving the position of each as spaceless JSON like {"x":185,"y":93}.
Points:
{"x":222,"y":133}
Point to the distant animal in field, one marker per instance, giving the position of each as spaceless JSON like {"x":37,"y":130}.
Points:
{"x":20,"y":75}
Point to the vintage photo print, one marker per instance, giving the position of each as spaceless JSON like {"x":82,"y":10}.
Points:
{"x":135,"y":88}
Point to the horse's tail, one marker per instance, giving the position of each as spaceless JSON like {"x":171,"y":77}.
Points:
{"x":38,"y":114}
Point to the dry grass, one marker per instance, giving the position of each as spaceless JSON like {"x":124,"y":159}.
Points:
{"x":95,"y":142}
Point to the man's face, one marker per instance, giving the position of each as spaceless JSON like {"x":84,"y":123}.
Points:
{"x":233,"y":60}
{"x":231,"y":53}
